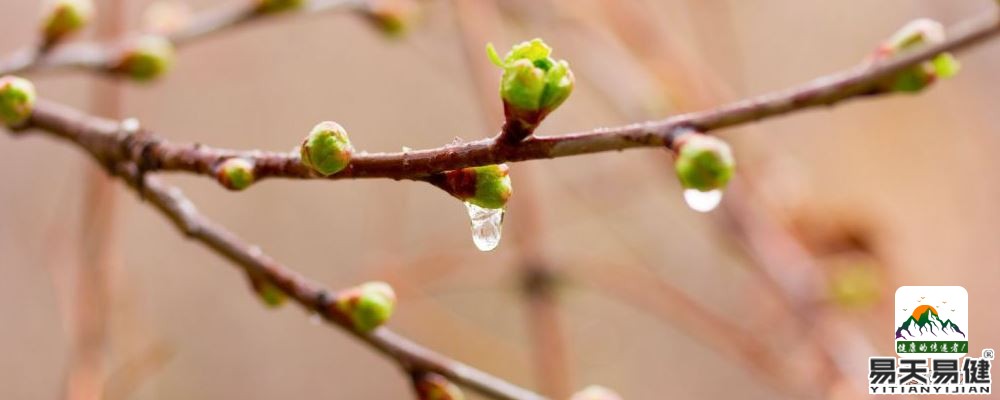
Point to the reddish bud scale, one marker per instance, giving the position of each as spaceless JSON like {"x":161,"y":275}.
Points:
{"x":461,"y":183}
{"x":431,"y":386}
{"x":364,"y":307}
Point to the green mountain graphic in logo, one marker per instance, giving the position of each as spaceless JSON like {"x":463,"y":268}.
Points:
{"x":925,"y":321}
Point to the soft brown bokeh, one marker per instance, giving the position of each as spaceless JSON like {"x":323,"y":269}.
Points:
{"x":914,"y":174}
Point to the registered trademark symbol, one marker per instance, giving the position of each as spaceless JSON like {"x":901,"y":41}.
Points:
{"x":988,"y":354}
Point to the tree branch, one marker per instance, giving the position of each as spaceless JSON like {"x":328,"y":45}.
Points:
{"x":310,"y":295}
{"x":100,"y":56}
{"x":103,"y":136}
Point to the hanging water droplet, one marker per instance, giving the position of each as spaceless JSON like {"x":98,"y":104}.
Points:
{"x":486,"y":226}
{"x":702,"y":201}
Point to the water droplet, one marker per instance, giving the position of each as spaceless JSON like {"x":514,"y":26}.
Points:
{"x":486,"y":226}
{"x":130,"y":125}
{"x":702,"y":201}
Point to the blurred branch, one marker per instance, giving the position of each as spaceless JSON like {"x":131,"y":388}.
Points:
{"x":480,"y":22}
{"x":98,"y":264}
{"x":100,"y":56}
{"x":310,"y":295}
{"x":102,"y":136}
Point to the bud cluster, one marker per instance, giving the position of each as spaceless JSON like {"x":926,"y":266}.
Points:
{"x":533,"y":84}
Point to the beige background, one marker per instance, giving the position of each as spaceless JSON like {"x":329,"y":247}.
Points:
{"x":916,"y":172}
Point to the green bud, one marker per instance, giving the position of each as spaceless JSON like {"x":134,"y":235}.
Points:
{"x":703,"y":162}
{"x":146,"y":58}
{"x":487,"y":186}
{"x":64,"y":17}
{"x":271,"y":295}
{"x":367,"y":306}
{"x":855,"y":284}
{"x":271,"y":6}
{"x":391,"y":17}
{"x":595,"y":392}
{"x":533,"y":83}
{"x":431,"y":386}
{"x":910,"y":37}
{"x":17,"y":100}
{"x":327,"y":149}
{"x":946,"y":65}
{"x":235,"y":173}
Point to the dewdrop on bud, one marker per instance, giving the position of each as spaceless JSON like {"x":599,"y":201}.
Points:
{"x":367,"y":306}
{"x":431,"y":386}
{"x":485,"y":191}
{"x":596,"y":392}
{"x":64,"y":17}
{"x":487,"y":186}
{"x":327,"y":149}
{"x":235,"y":173}
{"x":17,"y":100}
{"x":912,"y":36}
{"x":703,"y":162}
{"x":272,"y":6}
{"x":704,"y":165}
{"x":533,"y":83}
{"x":146,"y":58}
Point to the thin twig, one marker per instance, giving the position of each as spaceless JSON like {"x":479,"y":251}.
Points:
{"x":310,"y":295}
{"x":100,"y":56}
{"x":860,"y":81}
{"x":479,"y":22}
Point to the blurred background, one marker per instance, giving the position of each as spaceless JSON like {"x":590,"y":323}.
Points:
{"x":604,"y":275}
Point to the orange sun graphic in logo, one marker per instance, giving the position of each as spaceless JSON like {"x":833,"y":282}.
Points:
{"x":917,"y":312}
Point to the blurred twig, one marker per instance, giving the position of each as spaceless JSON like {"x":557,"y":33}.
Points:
{"x":100,"y":56}
{"x":97,"y":267}
{"x":480,"y":22}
